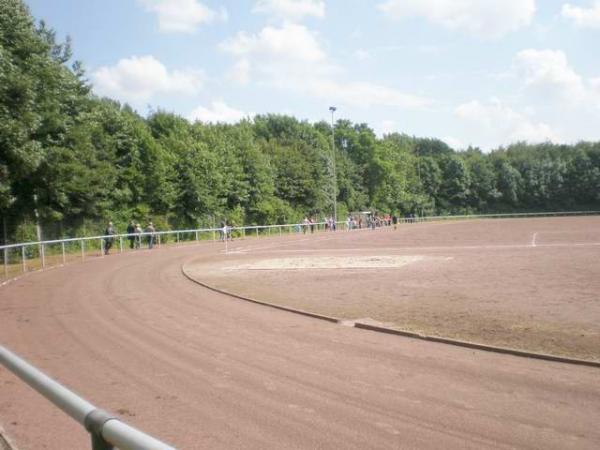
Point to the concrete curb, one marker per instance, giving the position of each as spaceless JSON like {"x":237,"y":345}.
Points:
{"x":248,"y":299}
{"x":476,"y":346}
{"x":408,"y":334}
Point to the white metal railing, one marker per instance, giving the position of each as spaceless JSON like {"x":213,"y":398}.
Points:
{"x":514,"y":215}
{"x":28,"y":256}
{"x":107,"y":432}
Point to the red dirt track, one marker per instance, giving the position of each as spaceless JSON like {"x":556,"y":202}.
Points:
{"x":199,"y":369}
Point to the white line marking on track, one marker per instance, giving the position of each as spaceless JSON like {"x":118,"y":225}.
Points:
{"x":442,"y":248}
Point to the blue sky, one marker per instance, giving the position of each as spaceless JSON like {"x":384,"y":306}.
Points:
{"x":471,"y":72}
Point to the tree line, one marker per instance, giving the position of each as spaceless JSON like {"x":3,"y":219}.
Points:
{"x":73,"y":161}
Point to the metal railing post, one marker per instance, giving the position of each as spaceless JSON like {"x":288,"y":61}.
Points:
{"x":82,"y":250}
{"x":177,"y":238}
{"x":6,"y":263}
{"x":121,"y":243}
{"x":100,"y":444}
{"x":43,"y":255}
{"x":197,"y":236}
{"x":94,"y":422}
{"x":23,"y":259}
{"x":280,"y":232}
{"x":256,"y":231}
{"x":64,"y":256}
{"x":158,"y":240}
{"x":102,"y":247}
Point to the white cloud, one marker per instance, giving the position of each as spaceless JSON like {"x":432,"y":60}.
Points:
{"x":219,"y":112}
{"x":595,"y":85}
{"x":388,"y":127}
{"x":453,"y":142}
{"x":500,"y":124}
{"x":141,"y":78}
{"x":362,"y":94}
{"x":291,"y":58}
{"x":554,"y":102}
{"x":490,"y":18}
{"x":583,"y":17}
{"x":289,"y":42}
{"x":182,"y":16}
{"x":362,"y":55}
{"x":550,"y":72}
{"x":292,"y":10}
{"x":240,"y":72}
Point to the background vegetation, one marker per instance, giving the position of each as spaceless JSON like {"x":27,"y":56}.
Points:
{"x":77,"y":161}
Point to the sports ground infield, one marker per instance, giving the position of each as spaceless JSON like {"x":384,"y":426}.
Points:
{"x":201,"y":369}
{"x":530,"y":284}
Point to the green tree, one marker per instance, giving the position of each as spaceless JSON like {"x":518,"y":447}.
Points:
{"x":455,"y":188}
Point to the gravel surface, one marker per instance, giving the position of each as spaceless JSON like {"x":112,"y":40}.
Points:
{"x":479,"y":281}
{"x":200,"y":370}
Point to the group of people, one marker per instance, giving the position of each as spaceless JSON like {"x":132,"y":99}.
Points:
{"x":375,"y":221}
{"x":308,"y":223}
{"x":330,"y":224}
{"x":134,"y":235}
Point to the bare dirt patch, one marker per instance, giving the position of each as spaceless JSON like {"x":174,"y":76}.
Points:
{"x":483,"y":281}
{"x":326,"y":262}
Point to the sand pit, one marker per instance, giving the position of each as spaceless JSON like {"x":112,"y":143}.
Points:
{"x":328,"y":262}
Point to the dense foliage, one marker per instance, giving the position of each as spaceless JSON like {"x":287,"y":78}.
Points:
{"x":76,"y":160}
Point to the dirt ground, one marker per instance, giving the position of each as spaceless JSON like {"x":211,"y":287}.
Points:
{"x":202,"y":370}
{"x":530,"y":284}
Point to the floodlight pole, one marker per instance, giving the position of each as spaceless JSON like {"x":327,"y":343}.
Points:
{"x":333,"y":109}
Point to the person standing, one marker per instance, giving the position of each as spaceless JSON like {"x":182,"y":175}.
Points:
{"x":150,"y":230}
{"x":138,"y":235}
{"x":223,"y":230}
{"x":305,"y":224}
{"x":131,"y":234}
{"x":109,"y":237}
{"x":229,"y":230}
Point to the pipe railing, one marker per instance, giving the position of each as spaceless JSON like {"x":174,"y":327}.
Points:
{"x":23,"y":257}
{"x":28,"y":256}
{"x":107,"y":432}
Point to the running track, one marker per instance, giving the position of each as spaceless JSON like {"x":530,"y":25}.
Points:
{"x":201,"y":370}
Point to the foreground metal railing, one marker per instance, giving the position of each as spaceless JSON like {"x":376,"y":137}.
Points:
{"x":20,"y":258}
{"x":107,"y":432}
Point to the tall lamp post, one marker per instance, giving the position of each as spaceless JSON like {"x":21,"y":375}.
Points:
{"x":333,"y":109}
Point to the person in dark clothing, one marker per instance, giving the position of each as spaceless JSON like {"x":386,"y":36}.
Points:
{"x":131,"y":234}
{"x":109,"y":239}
